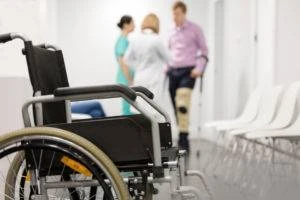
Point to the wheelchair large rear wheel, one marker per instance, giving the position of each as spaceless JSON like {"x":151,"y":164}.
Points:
{"x":48,"y":163}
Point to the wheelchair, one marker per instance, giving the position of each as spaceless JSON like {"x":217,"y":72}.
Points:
{"x":55,"y":157}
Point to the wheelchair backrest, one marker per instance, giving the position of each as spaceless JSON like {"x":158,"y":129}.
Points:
{"x":47,"y":72}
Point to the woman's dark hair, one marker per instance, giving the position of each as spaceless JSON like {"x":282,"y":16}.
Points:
{"x":126,"y":19}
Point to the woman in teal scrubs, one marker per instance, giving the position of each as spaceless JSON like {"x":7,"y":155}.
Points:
{"x":125,"y":74}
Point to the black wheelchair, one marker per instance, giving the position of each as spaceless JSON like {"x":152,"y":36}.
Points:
{"x":55,"y":157}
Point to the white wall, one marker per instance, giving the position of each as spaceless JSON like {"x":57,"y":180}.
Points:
{"x":247,"y":62}
{"x":239,"y":65}
{"x":238,"y":74}
{"x":14,"y":92}
{"x":266,"y":42}
{"x":287,"y":68}
{"x":26,"y":16}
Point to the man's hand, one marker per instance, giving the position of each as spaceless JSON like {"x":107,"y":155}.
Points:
{"x":195,"y":73}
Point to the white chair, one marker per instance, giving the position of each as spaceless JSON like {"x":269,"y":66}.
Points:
{"x":285,"y":116}
{"x":292,"y":131}
{"x":266,"y":113}
{"x":249,"y":113}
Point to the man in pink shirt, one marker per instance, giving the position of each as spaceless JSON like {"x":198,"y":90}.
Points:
{"x":189,"y":58}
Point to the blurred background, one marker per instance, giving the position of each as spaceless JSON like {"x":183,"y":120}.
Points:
{"x":251,"y":43}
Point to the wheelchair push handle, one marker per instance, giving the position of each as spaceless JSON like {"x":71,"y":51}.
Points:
{"x":6,"y":37}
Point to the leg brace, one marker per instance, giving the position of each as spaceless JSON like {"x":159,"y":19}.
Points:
{"x":183,"y":101}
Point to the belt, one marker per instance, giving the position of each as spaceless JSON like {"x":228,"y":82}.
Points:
{"x":181,"y":68}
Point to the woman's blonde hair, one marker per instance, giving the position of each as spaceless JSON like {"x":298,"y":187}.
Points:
{"x":151,"y":21}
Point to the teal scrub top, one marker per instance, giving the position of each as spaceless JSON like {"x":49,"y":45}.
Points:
{"x":120,"y":49}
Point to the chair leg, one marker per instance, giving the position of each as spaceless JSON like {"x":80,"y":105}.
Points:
{"x":183,"y":174}
{"x":202,"y":179}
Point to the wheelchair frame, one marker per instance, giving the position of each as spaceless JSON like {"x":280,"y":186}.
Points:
{"x":83,"y":93}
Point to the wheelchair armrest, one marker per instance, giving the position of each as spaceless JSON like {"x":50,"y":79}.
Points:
{"x":144,"y":90}
{"x":69,"y":91}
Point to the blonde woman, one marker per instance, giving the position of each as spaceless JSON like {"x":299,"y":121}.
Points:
{"x":148,"y":55}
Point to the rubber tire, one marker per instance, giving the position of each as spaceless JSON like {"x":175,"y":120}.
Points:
{"x":108,"y":165}
{"x":11,"y":178}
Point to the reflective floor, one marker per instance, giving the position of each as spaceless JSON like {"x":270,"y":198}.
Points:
{"x":247,"y":171}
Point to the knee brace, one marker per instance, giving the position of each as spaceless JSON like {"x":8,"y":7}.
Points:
{"x":183,"y":101}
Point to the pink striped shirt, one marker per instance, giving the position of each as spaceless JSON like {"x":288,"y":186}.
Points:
{"x":187,"y":44}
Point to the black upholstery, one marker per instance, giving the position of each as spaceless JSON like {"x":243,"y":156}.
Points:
{"x":47,"y":72}
{"x":124,"y":138}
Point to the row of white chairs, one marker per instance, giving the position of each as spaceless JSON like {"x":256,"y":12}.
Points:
{"x":243,"y":158}
{"x":268,"y":114}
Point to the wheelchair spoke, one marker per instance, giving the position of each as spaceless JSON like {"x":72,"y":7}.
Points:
{"x":51,"y":163}
{"x":34,"y":160}
{"x":40,"y":158}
